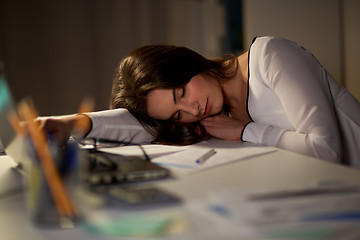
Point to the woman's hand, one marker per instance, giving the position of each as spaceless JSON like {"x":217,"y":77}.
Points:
{"x":59,"y":129}
{"x":62,"y":128}
{"x":223,"y":127}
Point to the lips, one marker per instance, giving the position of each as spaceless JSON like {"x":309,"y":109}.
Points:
{"x":207,"y":107}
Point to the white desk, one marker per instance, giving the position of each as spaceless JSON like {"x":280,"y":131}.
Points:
{"x":273,"y":170}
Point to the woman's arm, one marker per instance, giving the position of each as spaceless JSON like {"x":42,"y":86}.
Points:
{"x":63,"y":127}
{"x":223,"y":127}
{"x":300,"y":84}
{"x":116,"y":124}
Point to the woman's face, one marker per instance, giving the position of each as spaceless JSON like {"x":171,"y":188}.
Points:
{"x":200,"y":98}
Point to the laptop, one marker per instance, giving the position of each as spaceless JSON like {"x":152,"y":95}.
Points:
{"x":14,"y":146}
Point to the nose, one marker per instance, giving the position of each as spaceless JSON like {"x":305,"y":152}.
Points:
{"x":192,"y":108}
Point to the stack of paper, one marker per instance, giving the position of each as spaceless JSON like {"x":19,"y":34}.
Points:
{"x":294,"y":213}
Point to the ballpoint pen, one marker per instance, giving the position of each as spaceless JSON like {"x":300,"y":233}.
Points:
{"x":206,"y":156}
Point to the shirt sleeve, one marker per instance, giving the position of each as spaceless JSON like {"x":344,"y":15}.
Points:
{"x":118,"y":124}
{"x":300,"y":84}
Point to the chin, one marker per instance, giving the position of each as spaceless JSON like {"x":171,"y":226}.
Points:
{"x":218,"y":110}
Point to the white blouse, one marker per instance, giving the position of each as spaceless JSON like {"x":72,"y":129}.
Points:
{"x":290,"y":101}
{"x":118,"y":124}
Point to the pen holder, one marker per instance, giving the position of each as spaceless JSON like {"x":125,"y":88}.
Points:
{"x":42,"y":199}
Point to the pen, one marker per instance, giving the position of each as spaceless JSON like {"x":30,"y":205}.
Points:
{"x":310,"y":192}
{"x":206,"y":156}
{"x":332,"y":216}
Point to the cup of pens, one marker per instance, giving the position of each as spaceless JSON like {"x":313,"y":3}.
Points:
{"x":51,"y":206}
{"x":52,"y":174}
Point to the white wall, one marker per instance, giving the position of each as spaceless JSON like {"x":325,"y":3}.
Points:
{"x":352,"y":46}
{"x":318,"y":26}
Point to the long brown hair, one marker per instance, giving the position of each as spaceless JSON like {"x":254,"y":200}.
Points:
{"x":166,"y":67}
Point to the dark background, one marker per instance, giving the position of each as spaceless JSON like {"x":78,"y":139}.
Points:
{"x":60,"y":51}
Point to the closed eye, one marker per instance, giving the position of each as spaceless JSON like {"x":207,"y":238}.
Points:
{"x":183,"y":92}
{"x":178,"y":93}
{"x":178,"y":116}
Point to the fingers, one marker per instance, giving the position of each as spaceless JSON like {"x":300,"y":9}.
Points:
{"x":58,"y":130}
{"x":215,"y":120}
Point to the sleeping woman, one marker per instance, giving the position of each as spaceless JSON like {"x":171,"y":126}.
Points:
{"x":275,"y":94}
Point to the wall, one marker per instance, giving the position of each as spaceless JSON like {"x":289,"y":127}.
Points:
{"x":58,"y":52}
{"x":329,"y":28}
{"x":352,"y":46}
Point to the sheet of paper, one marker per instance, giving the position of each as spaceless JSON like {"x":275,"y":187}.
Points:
{"x":152,"y":150}
{"x":184,"y":162}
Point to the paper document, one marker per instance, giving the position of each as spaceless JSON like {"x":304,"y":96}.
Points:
{"x":314,"y":213}
{"x":338,"y":203}
{"x":186,"y":161}
{"x":152,"y":150}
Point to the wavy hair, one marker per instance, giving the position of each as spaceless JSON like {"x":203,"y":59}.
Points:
{"x":164,"y":67}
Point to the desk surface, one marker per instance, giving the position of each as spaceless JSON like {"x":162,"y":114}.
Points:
{"x":275,"y":170}
{"x":280,"y":169}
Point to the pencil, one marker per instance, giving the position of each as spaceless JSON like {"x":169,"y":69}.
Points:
{"x":87,"y":105}
{"x":15,"y":123}
{"x":63,"y":203}
{"x":206,"y":156}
